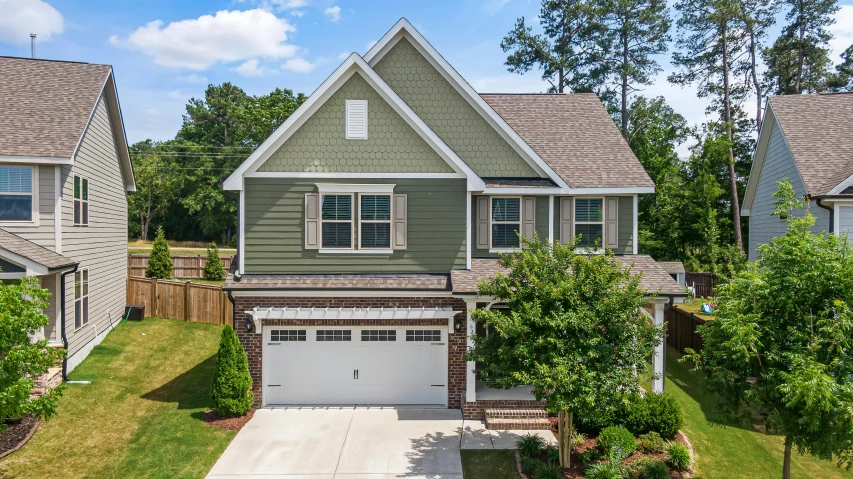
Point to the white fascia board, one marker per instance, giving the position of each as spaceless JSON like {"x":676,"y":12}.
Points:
{"x":523,"y":191}
{"x":353,"y":64}
{"x":758,"y":159}
{"x":35,"y":160}
{"x":300,"y":174}
{"x":33,"y":268}
{"x":354,"y":188}
{"x":405,"y":29}
{"x":635,"y":190}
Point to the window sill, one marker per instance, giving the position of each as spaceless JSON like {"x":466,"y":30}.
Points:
{"x":504,"y":250}
{"x":356,"y":251}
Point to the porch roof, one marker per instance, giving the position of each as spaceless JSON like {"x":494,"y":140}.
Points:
{"x":19,"y":250}
{"x":379,"y":282}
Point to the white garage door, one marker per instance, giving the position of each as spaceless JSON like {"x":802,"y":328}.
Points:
{"x":322,"y":365}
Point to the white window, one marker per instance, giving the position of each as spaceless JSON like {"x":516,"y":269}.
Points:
{"x":81,"y":201}
{"x":81,"y":298}
{"x":589,"y":221}
{"x":505,"y":222}
{"x":336,"y":221}
{"x":17,"y":197}
{"x":356,"y":219}
{"x":356,"y":119}
{"x":374,"y":221}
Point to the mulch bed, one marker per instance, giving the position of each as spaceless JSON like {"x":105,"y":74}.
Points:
{"x":17,"y":435}
{"x":227,"y":423}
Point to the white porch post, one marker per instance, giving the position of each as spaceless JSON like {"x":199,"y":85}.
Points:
{"x":660,"y":349}
{"x":470,"y":378}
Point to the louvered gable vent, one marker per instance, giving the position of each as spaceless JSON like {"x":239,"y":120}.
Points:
{"x":356,"y":119}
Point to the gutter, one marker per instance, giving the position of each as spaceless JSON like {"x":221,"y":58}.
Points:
{"x":831,"y":210}
{"x":62,"y":326}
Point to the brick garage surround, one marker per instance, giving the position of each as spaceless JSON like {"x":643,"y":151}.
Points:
{"x":477,"y":410}
{"x":253,"y":343}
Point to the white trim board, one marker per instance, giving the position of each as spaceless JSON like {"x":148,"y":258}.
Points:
{"x":35,"y":160}
{"x":352,"y":65}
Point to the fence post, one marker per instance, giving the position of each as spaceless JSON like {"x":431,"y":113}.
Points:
{"x":187,"y":301}
{"x":154,"y":297}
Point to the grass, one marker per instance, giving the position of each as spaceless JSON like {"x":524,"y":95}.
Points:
{"x":489,"y":464}
{"x":140,"y":417}
{"x":135,"y":246}
{"x":219,"y":282}
{"x":728,"y":450}
{"x":694,"y":306}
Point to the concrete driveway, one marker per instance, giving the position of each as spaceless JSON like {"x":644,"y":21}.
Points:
{"x":345,"y":443}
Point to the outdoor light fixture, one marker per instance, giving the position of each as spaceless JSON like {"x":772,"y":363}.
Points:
{"x":458,"y":325}
{"x":250,"y":325}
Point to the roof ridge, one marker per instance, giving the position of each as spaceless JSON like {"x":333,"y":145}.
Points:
{"x":12,"y":57}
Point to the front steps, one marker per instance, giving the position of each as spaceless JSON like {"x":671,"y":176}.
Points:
{"x":528,"y":419}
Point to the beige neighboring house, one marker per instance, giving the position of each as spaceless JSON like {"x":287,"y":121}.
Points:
{"x":64,"y":176}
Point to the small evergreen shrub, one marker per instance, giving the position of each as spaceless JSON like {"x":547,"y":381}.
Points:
{"x":160,"y":261}
{"x":552,"y":453}
{"x":654,"y":469}
{"x":529,"y":465}
{"x":651,"y":443}
{"x":530,"y":445}
{"x":679,"y":457}
{"x":231,"y":388}
{"x":658,"y":412}
{"x":548,"y":471}
{"x":589,"y":455}
{"x":617,"y":439}
{"x":213,"y":269}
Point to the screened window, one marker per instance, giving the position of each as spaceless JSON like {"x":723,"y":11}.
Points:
{"x":336,"y":211}
{"x":287,"y":335}
{"x":378,"y":335}
{"x":81,"y":298}
{"x":16,"y":193}
{"x":506,"y":222}
{"x":375,"y":221}
{"x":81,"y":201}
{"x":432,"y":335}
{"x":334,"y":335}
{"x":589,"y":221}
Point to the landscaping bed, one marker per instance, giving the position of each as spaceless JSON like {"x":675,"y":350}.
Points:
{"x":17,"y":434}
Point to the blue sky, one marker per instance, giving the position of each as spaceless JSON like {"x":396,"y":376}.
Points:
{"x":165,"y":52}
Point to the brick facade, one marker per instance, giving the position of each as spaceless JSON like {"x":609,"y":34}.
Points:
{"x":477,"y":410}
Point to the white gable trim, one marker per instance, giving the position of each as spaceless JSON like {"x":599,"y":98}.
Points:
{"x":841,"y":186}
{"x":405,"y":29}
{"x":352,"y":65}
{"x":33,"y":268}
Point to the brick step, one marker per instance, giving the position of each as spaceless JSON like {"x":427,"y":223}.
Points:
{"x":514,"y":413}
{"x":524,"y":424}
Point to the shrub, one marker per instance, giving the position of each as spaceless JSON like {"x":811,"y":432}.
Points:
{"x":552,"y":453}
{"x":651,"y":443}
{"x":231,"y":389}
{"x":160,"y":261}
{"x":548,"y":471}
{"x":658,"y":412}
{"x":589,"y":455}
{"x":654,"y":469}
{"x":618,"y":439}
{"x":679,"y":457}
{"x":530,"y":445}
{"x":213,"y":269}
{"x":577,"y":439}
{"x":529,"y":465}
{"x":603,"y":470}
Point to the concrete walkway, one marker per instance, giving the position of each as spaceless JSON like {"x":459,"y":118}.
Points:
{"x":476,"y":436}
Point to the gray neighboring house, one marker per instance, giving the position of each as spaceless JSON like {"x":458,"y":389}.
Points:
{"x":807,"y":139}
{"x":64,"y":176}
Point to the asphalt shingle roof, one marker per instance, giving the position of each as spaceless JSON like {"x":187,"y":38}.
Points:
{"x":427,"y":282}
{"x":818,"y":130}
{"x":672,"y":267}
{"x":33,"y":252}
{"x":45,"y":105}
{"x":575,"y":136}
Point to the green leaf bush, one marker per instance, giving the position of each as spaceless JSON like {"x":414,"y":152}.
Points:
{"x":679,"y":457}
{"x":603,"y":470}
{"x":618,"y":439}
{"x":548,"y":471}
{"x":213,"y":269}
{"x":651,"y":443}
{"x":653,"y":412}
{"x":231,"y":389}
{"x":530,"y":445}
{"x":529,"y":465}
{"x":160,"y":261}
{"x":653,"y":469}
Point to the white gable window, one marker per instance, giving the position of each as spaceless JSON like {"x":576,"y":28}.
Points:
{"x":17,"y":187}
{"x":81,"y":201}
{"x":356,"y":119}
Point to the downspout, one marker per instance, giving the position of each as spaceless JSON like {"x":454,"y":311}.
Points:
{"x":62,"y":326}
{"x":831,"y":214}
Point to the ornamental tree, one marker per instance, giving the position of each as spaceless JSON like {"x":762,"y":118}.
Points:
{"x":231,"y":389}
{"x":780,"y":353}
{"x":574,"y":329}
{"x":22,"y":360}
{"x":213,"y":269}
{"x":160,"y":261}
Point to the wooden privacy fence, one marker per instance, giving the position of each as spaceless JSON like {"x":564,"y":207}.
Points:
{"x":704,"y":284}
{"x":681,"y":330}
{"x":198,"y":303}
{"x":184,"y":266}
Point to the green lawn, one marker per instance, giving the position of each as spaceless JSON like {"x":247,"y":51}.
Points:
{"x":694,"y":306}
{"x":140,"y":417}
{"x":731,"y":451}
{"x":220,"y":282}
{"x":489,"y":464}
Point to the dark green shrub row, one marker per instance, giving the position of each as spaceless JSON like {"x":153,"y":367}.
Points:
{"x":639,"y":414}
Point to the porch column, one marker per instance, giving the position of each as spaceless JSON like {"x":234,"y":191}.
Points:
{"x":470,"y":378}
{"x":660,"y":349}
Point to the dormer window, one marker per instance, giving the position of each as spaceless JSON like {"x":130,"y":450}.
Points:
{"x":356,"y":118}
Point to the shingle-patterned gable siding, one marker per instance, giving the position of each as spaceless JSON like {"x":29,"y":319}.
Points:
{"x":778,"y":165}
{"x":320,"y":145}
{"x":448,"y":114}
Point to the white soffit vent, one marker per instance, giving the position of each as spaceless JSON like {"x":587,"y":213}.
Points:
{"x":356,"y":119}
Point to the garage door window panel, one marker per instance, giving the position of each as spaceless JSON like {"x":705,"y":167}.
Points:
{"x":384,"y":335}
{"x":288,"y":335}
{"x":335,"y":335}
{"x":423,"y":335}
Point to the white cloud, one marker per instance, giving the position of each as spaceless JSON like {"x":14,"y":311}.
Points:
{"x":299,"y":65}
{"x":288,"y":4}
{"x":228,"y":36}
{"x":252,"y":68}
{"x":842,"y":30}
{"x":334,"y":13}
{"x":193,"y":78}
{"x":299,"y":13}
{"x":344,"y":55}
{"x":19,"y":18}
{"x":177,"y":95}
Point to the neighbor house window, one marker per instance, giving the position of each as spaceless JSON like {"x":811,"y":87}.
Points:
{"x":336,"y":219}
{"x":506,"y":222}
{"x":374,"y":221}
{"x":589,"y":221}
{"x":16,"y":193}
{"x":81,"y":298}
{"x":81,"y":201}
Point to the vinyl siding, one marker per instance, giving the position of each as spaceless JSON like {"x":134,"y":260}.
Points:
{"x":48,"y":282}
{"x":627,"y":217}
{"x":102,"y":246}
{"x":43,"y":234}
{"x":845,"y":221}
{"x":778,"y":165}
{"x":541,"y":226}
{"x":275,"y":230}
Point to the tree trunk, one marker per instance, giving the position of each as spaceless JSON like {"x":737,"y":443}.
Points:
{"x":730,"y":135}
{"x":564,"y":437}
{"x":624,"y":84}
{"x":786,"y":464}
{"x":753,"y":67}
{"x":800,"y":53}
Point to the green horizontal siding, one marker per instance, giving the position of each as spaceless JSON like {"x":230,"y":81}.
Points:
{"x":275,"y":229}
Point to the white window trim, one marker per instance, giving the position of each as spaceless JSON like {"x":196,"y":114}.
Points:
{"x":503,"y":249}
{"x":349,"y":136}
{"x":351,"y":221}
{"x":389,"y":221}
{"x":575,"y":223}
{"x":355,"y":191}
{"x":81,"y":200}
{"x":82,"y":296}
{"x":35,"y":195}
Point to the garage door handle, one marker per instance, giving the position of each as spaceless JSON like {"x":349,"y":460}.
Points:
{"x":273,"y":385}
{"x":355,"y":373}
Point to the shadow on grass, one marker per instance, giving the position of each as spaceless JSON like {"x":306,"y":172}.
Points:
{"x":190,"y":390}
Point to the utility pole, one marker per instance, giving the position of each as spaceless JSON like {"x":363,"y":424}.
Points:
{"x":32,"y":45}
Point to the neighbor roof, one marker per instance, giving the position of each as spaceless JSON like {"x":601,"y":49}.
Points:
{"x":672,"y":267}
{"x":33,"y":252}
{"x":576,"y":137}
{"x":654,"y":280}
{"x":817,"y":130}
